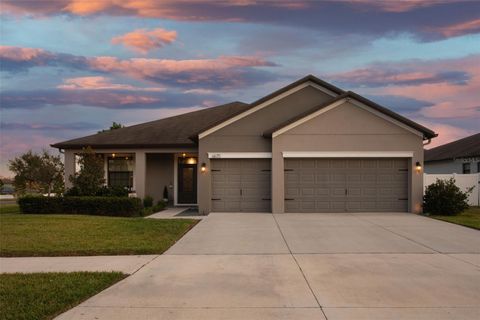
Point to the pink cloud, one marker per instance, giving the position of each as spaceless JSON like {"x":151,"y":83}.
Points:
{"x":399,"y":5}
{"x":143,"y":40}
{"x":21,"y":54}
{"x":459,"y":28}
{"x":100,"y":83}
{"x":446,"y":133}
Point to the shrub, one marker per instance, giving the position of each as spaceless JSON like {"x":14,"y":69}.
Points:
{"x":101,"y":206}
{"x":156,"y":208}
{"x":444,"y":198}
{"x":104,"y":191}
{"x":148,"y":201}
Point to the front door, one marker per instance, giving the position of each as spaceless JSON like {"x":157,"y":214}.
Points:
{"x":187,"y":180}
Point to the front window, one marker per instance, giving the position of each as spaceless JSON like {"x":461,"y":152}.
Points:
{"x":466,"y":168}
{"x":120,"y":172}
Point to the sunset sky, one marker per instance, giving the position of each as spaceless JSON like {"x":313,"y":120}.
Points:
{"x":71,"y":67}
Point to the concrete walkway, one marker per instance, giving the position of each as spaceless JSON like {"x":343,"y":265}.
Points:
{"x":125,"y":264}
{"x":304,"y":266}
{"x":174,"y":213}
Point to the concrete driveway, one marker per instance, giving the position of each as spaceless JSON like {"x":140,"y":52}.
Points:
{"x":304,"y":266}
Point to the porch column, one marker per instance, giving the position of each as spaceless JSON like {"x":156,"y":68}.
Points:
{"x":140,"y":173}
{"x":69,"y":167}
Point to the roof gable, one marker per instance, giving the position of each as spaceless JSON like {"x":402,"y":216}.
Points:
{"x":358,"y":101}
{"x":309,"y":80}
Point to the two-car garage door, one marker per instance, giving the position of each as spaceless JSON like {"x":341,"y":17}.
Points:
{"x":346,"y":185}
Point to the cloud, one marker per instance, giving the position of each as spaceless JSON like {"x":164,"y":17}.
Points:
{"x":101,"y":83}
{"x":105,"y":98}
{"x":400,"y":104}
{"x":382,"y":18}
{"x":221,"y":72}
{"x":380,"y":75}
{"x":48,"y":126}
{"x":447,"y":100}
{"x":15,"y":59}
{"x":459,"y":29}
{"x":143,"y":40}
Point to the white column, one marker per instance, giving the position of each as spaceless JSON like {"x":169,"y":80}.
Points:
{"x":69,"y":164}
{"x":140,"y":173}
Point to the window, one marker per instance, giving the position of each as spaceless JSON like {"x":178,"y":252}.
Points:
{"x":478,"y":166}
{"x":466,"y":168}
{"x":120,"y":172}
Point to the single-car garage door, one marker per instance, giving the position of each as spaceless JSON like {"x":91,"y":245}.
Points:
{"x":241,"y":185}
{"x":346,"y":185}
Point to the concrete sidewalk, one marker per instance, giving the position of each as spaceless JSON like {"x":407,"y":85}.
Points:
{"x":125,"y":264}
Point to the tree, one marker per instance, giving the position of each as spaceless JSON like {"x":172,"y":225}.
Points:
{"x":38,"y":173}
{"x":90,"y":179}
{"x":114,"y":126}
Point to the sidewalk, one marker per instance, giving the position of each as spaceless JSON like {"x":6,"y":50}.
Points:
{"x":125,"y":264}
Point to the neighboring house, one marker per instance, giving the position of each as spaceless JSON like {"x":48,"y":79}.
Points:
{"x":461,"y":156}
{"x":308,"y":147}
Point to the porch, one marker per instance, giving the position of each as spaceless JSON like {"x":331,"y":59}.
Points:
{"x":147,"y":172}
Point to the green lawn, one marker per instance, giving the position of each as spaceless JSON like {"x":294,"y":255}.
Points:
{"x":38,"y":296}
{"x":9,"y":208}
{"x":78,"y":235}
{"x":469,"y":218}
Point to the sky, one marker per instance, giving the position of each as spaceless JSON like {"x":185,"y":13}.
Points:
{"x":69,"y":68}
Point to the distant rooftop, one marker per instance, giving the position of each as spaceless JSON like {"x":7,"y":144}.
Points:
{"x":463,"y":148}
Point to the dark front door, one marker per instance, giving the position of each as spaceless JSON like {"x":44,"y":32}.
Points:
{"x":187,"y":182}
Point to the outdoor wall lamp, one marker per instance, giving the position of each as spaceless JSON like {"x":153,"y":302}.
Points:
{"x":203,"y":168}
{"x":113,"y":155}
{"x":418,"y":166}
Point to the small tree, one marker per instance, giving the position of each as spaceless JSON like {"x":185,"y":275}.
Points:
{"x":38,"y":173}
{"x":90,"y":179}
{"x":114,"y":126}
{"x":444,"y":198}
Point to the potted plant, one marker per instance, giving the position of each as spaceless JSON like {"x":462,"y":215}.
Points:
{"x":165,"y":194}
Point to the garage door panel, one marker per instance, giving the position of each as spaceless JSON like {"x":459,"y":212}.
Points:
{"x":346,"y":185}
{"x":241,"y":185}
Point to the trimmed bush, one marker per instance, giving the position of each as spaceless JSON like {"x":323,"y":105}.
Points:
{"x":100,"y":206}
{"x":156,"y":208}
{"x":104,"y":191}
{"x":444,"y":198}
{"x":147,"y":202}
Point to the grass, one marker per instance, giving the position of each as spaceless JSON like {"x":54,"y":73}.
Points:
{"x":9,"y":208}
{"x":469,"y":218}
{"x":45,"y":295}
{"x":77,"y":235}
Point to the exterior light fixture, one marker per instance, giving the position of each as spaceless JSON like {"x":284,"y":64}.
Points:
{"x":113,"y":155}
{"x":184,"y":155}
{"x":191,"y":160}
{"x":418,"y":166}
{"x":203,"y":168}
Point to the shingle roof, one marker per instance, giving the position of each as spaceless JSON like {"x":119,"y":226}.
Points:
{"x":168,"y":132}
{"x":183,"y":130}
{"x":349,"y":94}
{"x":463,"y":148}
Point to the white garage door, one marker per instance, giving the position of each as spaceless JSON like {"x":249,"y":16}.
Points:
{"x":346,"y":185}
{"x":241,"y":185}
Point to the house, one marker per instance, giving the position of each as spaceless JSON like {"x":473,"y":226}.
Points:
{"x":308,"y":147}
{"x":461,"y":156}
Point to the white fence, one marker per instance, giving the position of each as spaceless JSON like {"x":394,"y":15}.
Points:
{"x":463,"y":181}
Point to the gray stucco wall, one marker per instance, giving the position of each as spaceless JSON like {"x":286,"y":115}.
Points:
{"x":450,"y":166}
{"x":347,"y":128}
{"x":245,"y":135}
